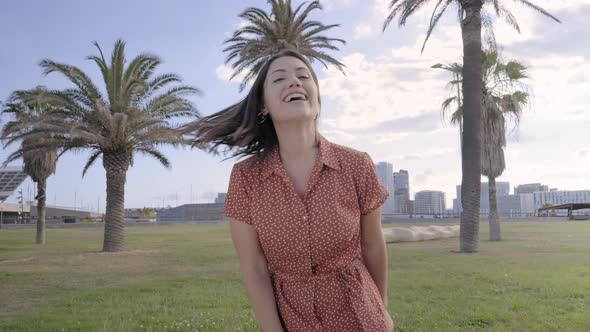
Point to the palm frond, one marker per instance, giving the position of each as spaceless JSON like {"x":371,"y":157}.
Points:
{"x":538,"y":9}
{"x":91,"y":161}
{"x":81,"y":118}
{"x":266,"y":34}
{"x":436,"y":15}
{"x":156,"y":154}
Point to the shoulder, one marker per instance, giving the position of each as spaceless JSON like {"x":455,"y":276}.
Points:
{"x":249,"y":167}
{"x":349,"y":157}
{"x":347,"y":152}
{"x":247,"y":163}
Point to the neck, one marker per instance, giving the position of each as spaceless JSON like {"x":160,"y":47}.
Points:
{"x":297,"y":142}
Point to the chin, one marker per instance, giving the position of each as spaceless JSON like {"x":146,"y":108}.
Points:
{"x":287,"y":118}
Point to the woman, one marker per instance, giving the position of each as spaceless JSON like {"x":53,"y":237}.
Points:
{"x":305,"y":213}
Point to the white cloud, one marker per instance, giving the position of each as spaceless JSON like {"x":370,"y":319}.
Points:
{"x":393,"y":86}
{"x":362,"y":30}
{"x":372,"y":25}
{"x":430,"y":154}
{"x":444,"y":46}
{"x":583,"y":153}
{"x":554,"y":5}
{"x":224,"y":73}
{"x":381,"y":9}
{"x":558,"y":80}
{"x":336,"y":4}
{"x":529,"y":20}
{"x":242,"y":24}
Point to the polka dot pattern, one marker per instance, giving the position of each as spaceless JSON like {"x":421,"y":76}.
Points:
{"x":312,"y":245}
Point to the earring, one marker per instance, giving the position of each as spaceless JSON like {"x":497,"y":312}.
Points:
{"x":262,"y":117}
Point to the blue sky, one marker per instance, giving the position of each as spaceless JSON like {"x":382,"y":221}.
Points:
{"x":387,"y":105}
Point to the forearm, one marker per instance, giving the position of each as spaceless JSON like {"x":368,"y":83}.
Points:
{"x":260,"y":293}
{"x":375,"y":258}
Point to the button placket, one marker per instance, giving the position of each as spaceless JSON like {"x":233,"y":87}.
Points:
{"x":306,"y":220}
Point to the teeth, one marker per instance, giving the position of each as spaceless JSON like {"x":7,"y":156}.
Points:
{"x":292,"y":96}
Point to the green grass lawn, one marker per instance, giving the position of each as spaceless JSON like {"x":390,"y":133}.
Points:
{"x":185,"y":278}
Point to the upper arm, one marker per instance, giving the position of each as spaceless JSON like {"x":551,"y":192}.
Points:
{"x":372,"y":194}
{"x":243,"y":232}
{"x":245,"y":239}
{"x":371,"y":232}
{"x":238,"y":199}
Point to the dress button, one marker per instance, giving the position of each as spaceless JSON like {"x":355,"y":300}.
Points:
{"x":304,"y":217}
{"x":318,"y":327}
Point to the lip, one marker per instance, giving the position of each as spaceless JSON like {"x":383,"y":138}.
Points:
{"x":299,"y":91}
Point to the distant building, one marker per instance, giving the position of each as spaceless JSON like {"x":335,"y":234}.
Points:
{"x":385,"y":174}
{"x":456,"y":206}
{"x":401,"y":192}
{"x":528,"y":198}
{"x":428,"y":202}
{"x":11,"y":178}
{"x":561,"y":197}
{"x":220,"y":198}
{"x":529,"y":188}
{"x":11,"y":213}
{"x":520,"y":205}
{"x":502,"y":189}
{"x":192,"y":212}
{"x":411,"y":207}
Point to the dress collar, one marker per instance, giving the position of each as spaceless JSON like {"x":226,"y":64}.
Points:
{"x":272,"y":162}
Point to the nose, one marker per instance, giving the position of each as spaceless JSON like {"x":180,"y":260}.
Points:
{"x":295,"y":82}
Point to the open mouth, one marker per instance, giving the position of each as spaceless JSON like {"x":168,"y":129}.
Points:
{"x":295,"y":97}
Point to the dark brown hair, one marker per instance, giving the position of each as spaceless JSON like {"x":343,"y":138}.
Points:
{"x":239,"y":126}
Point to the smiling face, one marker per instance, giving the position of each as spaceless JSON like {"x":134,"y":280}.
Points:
{"x":290,"y":91}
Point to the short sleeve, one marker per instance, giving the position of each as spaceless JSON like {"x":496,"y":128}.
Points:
{"x":372,"y":194}
{"x":237,"y":201}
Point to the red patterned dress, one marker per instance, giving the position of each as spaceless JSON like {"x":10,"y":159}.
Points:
{"x":313,"y":245}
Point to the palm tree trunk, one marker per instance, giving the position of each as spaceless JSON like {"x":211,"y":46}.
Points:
{"x":471,"y":159}
{"x":459,"y":98}
{"x":461,"y":134}
{"x":41,"y":185}
{"x":116,"y":165}
{"x":495,"y":233}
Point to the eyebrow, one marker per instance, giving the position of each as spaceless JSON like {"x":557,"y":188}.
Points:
{"x":284,"y":70}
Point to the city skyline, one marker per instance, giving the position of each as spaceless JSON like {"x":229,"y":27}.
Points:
{"x":503,"y":192}
{"x":388,"y":104}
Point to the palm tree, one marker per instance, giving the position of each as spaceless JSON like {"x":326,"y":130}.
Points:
{"x":456,"y":117}
{"x":471,"y":18}
{"x":266,"y":34}
{"x":135,"y":116}
{"x":39,"y":164}
{"x":504,"y":96}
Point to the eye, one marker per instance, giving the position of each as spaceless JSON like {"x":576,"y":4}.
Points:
{"x":303,"y":77}
{"x":278,"y":80}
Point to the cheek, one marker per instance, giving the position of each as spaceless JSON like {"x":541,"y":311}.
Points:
{"x":269,"y":97}
{"x":313,"y":90}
